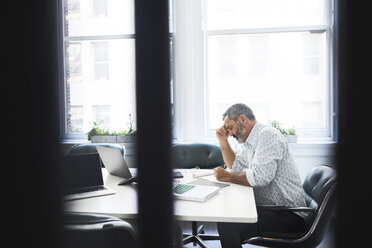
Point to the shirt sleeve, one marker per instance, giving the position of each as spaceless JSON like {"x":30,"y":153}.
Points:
{"x":238,"y":164}
{"x":268,"y":153}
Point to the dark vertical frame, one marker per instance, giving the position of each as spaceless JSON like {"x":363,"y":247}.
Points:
{"x":30,"y":116}
{"x":353,"y":39}
{"x":153,"y":123}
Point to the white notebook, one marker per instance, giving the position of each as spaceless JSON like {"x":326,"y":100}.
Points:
{"x":194,"y":192}
{"x":209,"y":182}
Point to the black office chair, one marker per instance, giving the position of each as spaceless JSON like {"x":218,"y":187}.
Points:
{"x":204,"y":156}
{"x":320,"y":188}
{"x":87,"y":148}
{"x":82,"y":230}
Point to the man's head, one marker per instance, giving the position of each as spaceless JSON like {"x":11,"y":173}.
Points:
{"x":239,"y":120}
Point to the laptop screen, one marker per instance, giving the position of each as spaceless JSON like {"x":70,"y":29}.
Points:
{"x":80,"y":171}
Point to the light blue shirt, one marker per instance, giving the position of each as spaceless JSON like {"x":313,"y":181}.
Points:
{"x":270,"y":169}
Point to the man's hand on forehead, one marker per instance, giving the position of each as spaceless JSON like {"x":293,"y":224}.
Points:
{"x":228,"y":130}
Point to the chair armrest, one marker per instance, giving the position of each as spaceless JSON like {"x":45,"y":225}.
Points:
{"x":281,"y":208}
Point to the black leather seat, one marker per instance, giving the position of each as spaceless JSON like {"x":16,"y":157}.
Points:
{"x":320,"y":186}
{"x":204,"y":156}
{"x":91,"y":148}
{"x":188,"y":156}
{"x":82,"y":230}
{"x":86,"y":148}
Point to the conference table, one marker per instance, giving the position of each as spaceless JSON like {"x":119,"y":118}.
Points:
{"x":233,"y":203}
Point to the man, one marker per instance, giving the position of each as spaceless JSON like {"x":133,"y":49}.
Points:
{"x":263,"y":160}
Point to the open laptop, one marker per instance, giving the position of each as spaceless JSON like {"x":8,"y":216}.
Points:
{"x":116,"y":165}
{"x":81,"y":177}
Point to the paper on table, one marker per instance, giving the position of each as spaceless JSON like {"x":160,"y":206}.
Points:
{"x":209,"y":182}
{"x":203,"y":173}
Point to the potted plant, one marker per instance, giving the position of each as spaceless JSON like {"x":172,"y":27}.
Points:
{"x":127,"y":136}
{"x":291,"y":137}
{"x":99,"y":135}
{"x":289,"y":134}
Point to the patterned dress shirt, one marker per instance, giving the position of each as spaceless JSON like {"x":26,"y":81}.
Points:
{"x":270,"y":169}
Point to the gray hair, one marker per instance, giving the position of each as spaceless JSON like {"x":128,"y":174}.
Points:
{"x":236,"y":110}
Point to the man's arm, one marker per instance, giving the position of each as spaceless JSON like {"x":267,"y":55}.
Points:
{"x":227,"y":153}
{"x":233,"y":177}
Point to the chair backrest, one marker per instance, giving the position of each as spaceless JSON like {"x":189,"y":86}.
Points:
{"x":91,"y":148}
{"x":320,"y":188}
{"x":87,"y":148}
{"x":97,"y":231}
{"x":205,"y":156}
{"x":317,"y":183}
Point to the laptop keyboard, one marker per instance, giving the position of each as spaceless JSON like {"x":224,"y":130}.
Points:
{"x":88,"y":189}
{"x":182,"y":188}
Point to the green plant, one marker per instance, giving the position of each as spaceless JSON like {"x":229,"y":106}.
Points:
{"x":291,"y":131}
{"x":131,"y":131}
{"x":96,"y":130}
{"x":277,"y":125}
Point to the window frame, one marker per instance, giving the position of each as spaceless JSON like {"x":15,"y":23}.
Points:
{"x":190,"y":117}
{"x":67,"y":137}
{"x":194,"y":115}
{"x":63,"y":40}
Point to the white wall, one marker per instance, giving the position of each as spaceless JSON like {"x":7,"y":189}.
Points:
{"x":307,"y":156}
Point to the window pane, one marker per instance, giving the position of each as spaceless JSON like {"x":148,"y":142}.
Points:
{"x":74,"y":70}
{"x":75,"y":119}
{"x":100,"y":8}
{"x":223,"y":14}
{"x":101,"y":60}
{"x":101,"y":114}
{"x":104,"y":85}
{"x":99,"y":17}
{"x":272,"y":74}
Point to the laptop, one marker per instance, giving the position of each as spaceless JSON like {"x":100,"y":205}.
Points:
{"x":81,"y":177}
{"x":115,"y":164}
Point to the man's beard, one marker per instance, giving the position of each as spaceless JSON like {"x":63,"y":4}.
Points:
{"x":240,"y":133}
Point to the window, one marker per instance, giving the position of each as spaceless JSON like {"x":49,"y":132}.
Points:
{"x":274,"y":56}
{"x":101,"y":62}
{"x":99,"y":8}
{"x":99,"y":65}
{"x":98,"y":50}
{"x":102,"y":113}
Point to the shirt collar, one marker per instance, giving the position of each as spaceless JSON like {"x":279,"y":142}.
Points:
{"x":253,"y":134}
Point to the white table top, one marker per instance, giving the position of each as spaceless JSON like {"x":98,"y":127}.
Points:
{"x":234,"y":203}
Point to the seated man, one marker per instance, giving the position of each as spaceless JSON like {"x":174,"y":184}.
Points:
{"x":263,"y":160}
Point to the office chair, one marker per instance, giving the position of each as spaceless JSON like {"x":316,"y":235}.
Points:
{"x":204,"y":156}
{"x":91,"y":148}
{"x":82,"y":230}
{"x":320,"y":188}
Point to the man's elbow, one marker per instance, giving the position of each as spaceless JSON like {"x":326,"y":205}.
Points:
{"x":261,"y":181}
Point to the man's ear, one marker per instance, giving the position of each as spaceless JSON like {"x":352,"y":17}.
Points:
{"x":244,"y":120}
